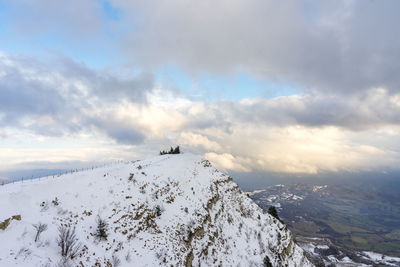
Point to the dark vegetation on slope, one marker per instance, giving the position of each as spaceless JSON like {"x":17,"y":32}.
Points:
{"x":175,"y":150}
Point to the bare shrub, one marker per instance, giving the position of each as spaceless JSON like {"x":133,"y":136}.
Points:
{"x":68,"y":242}
{"x":40,"y":227}
{"x":115,"y":261}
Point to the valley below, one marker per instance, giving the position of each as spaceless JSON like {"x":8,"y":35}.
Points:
{"x":344,"y":225}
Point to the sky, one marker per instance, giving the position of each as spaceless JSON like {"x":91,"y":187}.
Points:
{"x":291,"y":87}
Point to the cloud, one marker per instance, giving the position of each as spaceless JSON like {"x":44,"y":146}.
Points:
{"x":121,"y":131}
{"x":63,"y":97}
{"x":344,"y":117}
{"x":284,"y":134}
{"x":292,"y":134}
{"x":57,"y":17}
{"x":299,"y":149}
{"x":305,"y":133}
{"x":226,"y":161}
{"x":370,"y":109}
{"x":24,"y":93}
{"x":193,"y":139}
{"x":332,"y":46}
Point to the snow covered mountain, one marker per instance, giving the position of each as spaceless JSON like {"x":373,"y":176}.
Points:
{"x":170,"y":210}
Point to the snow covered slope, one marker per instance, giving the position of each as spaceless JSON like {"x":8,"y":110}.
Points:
{"x":172,"y":210}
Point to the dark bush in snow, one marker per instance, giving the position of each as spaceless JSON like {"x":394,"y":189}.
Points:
{"x":175,"y":150}
{"x":157,"y":210}
{"x":102,"y":228}
{"x":55,"y":202}
{"x":272,"y":211}
{"x":267,"y":262}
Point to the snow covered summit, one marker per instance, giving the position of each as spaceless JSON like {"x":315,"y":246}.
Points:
{"x":170,"y":210}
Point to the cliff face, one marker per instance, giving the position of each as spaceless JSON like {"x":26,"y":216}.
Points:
{"x":172,"y":210}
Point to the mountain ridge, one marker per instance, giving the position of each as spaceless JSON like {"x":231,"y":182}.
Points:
{"x":168,"y":210}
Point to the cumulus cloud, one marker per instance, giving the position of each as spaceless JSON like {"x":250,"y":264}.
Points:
{"x":194,"y":139}
{"x":63,"y":97}
{"x":292,"y":134}
{"x":298,"y":149}
{"x":227,"y":161}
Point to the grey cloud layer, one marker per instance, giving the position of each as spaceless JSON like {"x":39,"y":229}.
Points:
{"x":371,"y":109}
{"x":80,"y":19}
{"x":336,"y":46}
{"x":61,"y":97}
